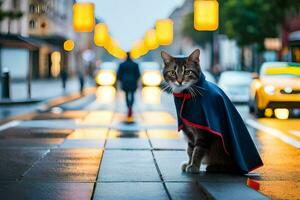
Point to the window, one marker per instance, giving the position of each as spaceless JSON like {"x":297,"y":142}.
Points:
{"x":32,"y":8}
{"x":32,"y":24}
{"x":16,"y":4}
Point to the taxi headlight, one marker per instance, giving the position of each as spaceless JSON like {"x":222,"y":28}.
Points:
{"x":269,"y":89}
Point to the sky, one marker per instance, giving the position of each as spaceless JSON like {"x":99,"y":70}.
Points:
{"x":128,"y":20}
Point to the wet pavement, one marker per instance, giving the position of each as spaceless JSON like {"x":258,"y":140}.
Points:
{"x":88,"y":151}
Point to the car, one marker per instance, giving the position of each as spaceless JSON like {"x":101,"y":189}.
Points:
{"x":276,"y":88}
{"x":236,"y":85}
{"x":106,"y":74}
{"x":151,"y":73}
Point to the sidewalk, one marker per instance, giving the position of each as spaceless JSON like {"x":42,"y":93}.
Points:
{"x":95,"y":155}
{"x":41,"y":90}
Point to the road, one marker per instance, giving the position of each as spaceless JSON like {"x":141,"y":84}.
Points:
{"x":85,"y":150}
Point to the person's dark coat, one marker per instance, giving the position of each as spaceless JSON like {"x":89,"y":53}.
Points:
{"x":128,"y":74}
{"x":212,"y":111}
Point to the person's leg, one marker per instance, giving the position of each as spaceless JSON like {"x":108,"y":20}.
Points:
{"x":130,"y":103}
{"x":127,"y":99}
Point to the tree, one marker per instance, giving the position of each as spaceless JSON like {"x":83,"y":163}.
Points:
{"x":251,"y":21}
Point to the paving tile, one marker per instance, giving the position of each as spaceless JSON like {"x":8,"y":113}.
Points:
{"x":127,"y":143}
{"x":130,"y":191}
{"x":87,"y":133}
{"x":74,"y":114}
{"x":156,"y":117}
{"x":113,"y":133}
{"x":169,"y":163}
{"x":45,"y":191}
{"x":186,"y":190}
{"x":178,"y":144}
{"x":232,"y":191}
{"x":29,"y":142}
{"x":63,"y":124}
{"x":125,"y":165}
{"x":82,"y":144}
{"x":67,"y":165}
{"x":98,"y":117}
{"x":29,"y":132}
{"x":14,"y":162}
{"x":163,"y":134}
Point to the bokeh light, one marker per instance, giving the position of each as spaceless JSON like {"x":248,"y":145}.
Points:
{"x":69,"y":45}
{"x":164,"y":31}
{"x":206,"y":15}
{"x":83,"y":17}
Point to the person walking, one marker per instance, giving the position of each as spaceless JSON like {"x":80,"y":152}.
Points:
{"x":128,"y":75}
{"x":64,"y":77}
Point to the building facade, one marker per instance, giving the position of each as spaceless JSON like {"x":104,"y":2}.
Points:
{"x":35,"y":37}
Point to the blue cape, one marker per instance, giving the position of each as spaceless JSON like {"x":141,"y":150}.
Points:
{"x":213,"y":111}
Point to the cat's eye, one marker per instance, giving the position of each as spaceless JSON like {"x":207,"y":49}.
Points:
{"x":171,"y":73}
{"x":188,"y":72}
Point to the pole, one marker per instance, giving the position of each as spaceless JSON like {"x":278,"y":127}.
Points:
{"x":29,"y":75}
{"x":1,"y":68}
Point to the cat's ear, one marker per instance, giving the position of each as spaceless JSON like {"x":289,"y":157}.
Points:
{"x":194,"y":56}
{"x":166,"y":57}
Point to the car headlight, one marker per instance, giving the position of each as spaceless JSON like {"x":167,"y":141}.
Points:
{"x":106,"y":78}
{"x":269,"y":89}
{"x":288,"y":90}
{"x":151,"y":78}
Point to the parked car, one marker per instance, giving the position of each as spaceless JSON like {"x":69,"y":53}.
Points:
{"x":277,"y":86}
{"x":151,"y":73}
{"x":236,"y":85}
{"x":106,"y":74}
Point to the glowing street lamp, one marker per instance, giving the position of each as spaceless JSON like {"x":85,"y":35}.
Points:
{"x":114,"y":49}
{"x":206,"y":15}
{"x":164,"y":31}
{"x":151,"y":39}
{"x":69,"y":45}
{"x":83,"y":17}
{"x":138,"y":49}
{"x":101,"y":34}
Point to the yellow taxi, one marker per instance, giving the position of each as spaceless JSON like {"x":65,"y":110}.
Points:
{"x":276,"y":88}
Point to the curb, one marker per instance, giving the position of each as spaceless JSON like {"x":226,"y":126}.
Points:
{"x":5,"y":102}
{"x":47,"y":105}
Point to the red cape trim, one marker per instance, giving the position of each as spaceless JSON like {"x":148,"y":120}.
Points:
{"x":187,"y":96}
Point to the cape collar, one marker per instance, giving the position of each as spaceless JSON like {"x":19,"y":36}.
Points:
{"x":185,"y":94}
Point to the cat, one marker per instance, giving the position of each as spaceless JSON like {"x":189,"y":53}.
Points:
{"x":180,"y":74}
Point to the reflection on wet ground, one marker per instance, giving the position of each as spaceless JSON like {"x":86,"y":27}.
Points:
{"x":68,"y":146}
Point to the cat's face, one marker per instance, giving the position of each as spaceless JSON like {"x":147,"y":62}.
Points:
{"x":181,"y":73}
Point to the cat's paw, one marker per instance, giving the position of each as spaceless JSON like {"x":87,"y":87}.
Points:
{"x":192,"y":169}
{"x":184,"y":165}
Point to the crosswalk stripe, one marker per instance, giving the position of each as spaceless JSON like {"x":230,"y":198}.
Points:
{"x":273,"y":132}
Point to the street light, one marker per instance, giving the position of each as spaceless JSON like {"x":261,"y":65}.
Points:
{"x":164,"y":31}
{"x":206,"y":15}
{"x":83,"y":17}
{"x":101,"y":34}
{"x":138,"y":49}
{"x":114,"y":49}
{"x":69,"y":45}
{"x":151,"y":39}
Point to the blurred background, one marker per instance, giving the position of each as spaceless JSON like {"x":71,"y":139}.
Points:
{"x":60,"y":58}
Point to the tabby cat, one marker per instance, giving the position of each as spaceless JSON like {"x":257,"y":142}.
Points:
{"x":180,"y":75}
